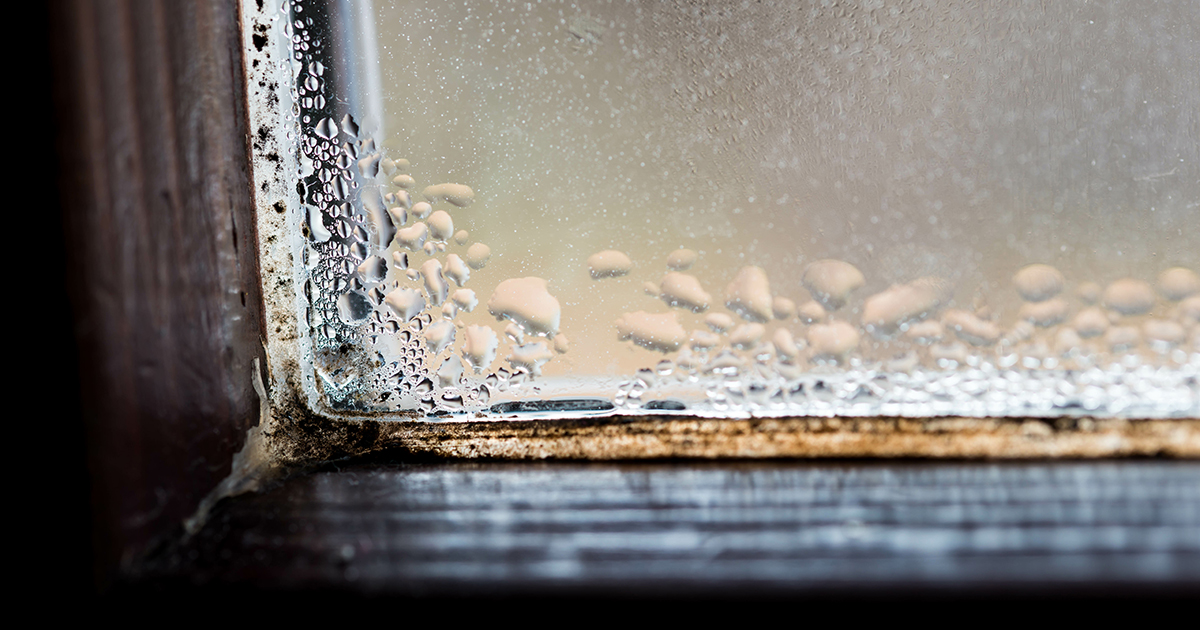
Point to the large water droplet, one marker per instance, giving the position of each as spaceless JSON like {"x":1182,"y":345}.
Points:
{"x":349,"y":125}
{"x":354,"y":307}
{"x":326,"y":128}
{"x":526,"y":301}
{"x":373,"y":269}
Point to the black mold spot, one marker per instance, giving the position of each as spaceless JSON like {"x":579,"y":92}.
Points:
{"x":665,"y":405}
{"x":260,"y":36}
{"x":567,"y":404}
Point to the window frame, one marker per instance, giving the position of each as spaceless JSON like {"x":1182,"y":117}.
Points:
{"x":169,"y":196}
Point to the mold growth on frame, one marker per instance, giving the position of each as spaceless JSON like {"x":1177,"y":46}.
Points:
{"x":570,"y":209}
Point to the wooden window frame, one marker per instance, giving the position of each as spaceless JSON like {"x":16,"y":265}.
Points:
{"x":174,"y":209}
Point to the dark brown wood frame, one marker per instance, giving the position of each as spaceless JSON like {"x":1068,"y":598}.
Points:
{"x":160,"y":244}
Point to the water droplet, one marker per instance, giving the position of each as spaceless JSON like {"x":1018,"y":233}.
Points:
{"x":970,"y":328}
{"x":465,"y":299}
{"x":835,"y":339}
{"x":526,"y":301}
{"x":749,"y":294}
{"x":1090,"y":322}
{"x":368,"y":166}
{"x":435,"y":283}
{"x":373,"y":269}
{"x":441,"y":226}
{"x":480,"y":348}
{"x":1037,"y":283}
{"x":316,"y":225}
{"x":455,"y":194}
{"x":438,"y":336}
{"x":884,"y":312}
{"x":684,"y":290}
{"x":831,"y":282}
{"x":326,"y":128}
{"x":746,"y":335}
{"x":405,"y":303}
{"x":353,"y":307}
{"x":1120,"y":338}
{"x":719,"y":322}
{"x":1045,"y":314}
{"x":450,"y":372}
{"x":681,"y":260}
{"x":1088,"y":292}
{"x":811,"y":312}
{"x":348,"y":123}
{"x":783,"y":309}
{"x":1129,"y":296}
{"x":1163,"y":330}
{"x":478,"y":255}
{"x":530,"y":357}
{"x":661,"y":332}
{"x":457,"y":270}
{"x":931,"y":331}
{"x":785,"y":344}
{"x":412,"y":237}
{"x":1178,"y":283}
{"x":608,"y":264}
{"x":421,"y":210}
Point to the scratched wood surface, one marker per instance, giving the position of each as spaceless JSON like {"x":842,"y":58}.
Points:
{"x":709,"y":529}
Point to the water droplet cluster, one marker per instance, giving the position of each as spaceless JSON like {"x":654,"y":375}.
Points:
{"x":387,"y":267}
{"x":391,"y":263}
{"x":1130,"y":348}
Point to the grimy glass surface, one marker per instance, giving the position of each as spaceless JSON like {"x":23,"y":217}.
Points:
{"x":724,"y":208}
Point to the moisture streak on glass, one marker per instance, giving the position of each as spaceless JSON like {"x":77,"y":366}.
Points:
{"x":841,"y":208}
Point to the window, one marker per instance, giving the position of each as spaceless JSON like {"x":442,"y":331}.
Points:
{"x":492,"y":210}
{"x":165,"y":290}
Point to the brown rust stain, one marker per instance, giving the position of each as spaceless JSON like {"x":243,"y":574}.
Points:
{"x":305,"y":440}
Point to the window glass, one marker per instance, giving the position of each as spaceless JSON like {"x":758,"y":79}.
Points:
{"x":724,"y":208}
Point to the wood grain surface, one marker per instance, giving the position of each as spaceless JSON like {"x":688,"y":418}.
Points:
{"x":160,"y":246}
{"x":718,"y":529}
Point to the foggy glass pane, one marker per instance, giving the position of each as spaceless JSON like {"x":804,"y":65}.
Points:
{"x":731,"y":208}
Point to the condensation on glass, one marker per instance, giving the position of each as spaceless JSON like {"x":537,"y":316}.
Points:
{"x":728,"y":209}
